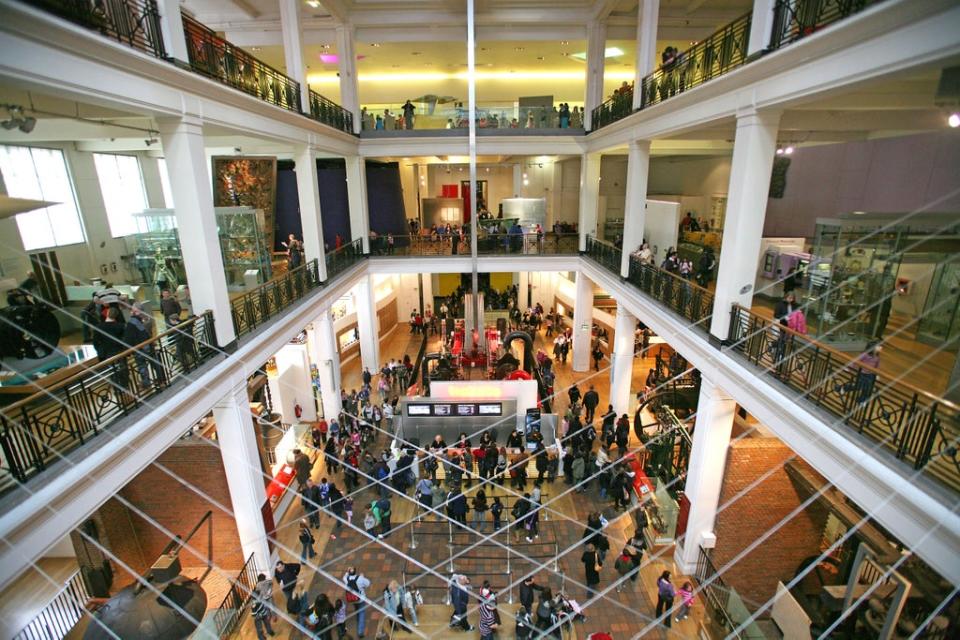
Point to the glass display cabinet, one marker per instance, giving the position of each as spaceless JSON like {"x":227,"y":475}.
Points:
{"x":157,"y":249}
{"x":243,"y":243}
{"x":940,"y":321}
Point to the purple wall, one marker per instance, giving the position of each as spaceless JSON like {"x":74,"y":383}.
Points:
{"x":897,"y":175}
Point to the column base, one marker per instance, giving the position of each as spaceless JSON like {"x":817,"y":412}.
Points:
{"x":686,"y":563}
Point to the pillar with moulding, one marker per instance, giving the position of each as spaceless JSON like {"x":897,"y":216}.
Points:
{"x":325,"y":357}
{"x":648,"y":15}
{"x":754,"y":147}
{"x":291,"y":19}
{"x":635,"y":207}
{"x":347,"y":66}
{"x":308,"y":195}
{"x":171,"y":30}
{"x":237,"y":439}
{"x":426,"y":291}
{"x":367,"y":323}
{"x":589,"y":197}
{"x":193,"y":205}
{"x":523,"y":290}
{"x":596,"y":50}
{"x":518,"y":180}
{"x":761,"y":25}
{"x":357,"y":200}
{"x":622,"y":360}
{"x":582,"y":322}
{"x":708,"y":462}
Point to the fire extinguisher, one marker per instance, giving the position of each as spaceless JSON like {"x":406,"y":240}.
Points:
{"x":297,"y":410}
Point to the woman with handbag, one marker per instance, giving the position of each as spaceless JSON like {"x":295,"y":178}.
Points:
{"x":665,"y":595}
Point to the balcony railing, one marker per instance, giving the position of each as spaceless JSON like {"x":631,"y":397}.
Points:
{"x":620,"y":105}
{"x":267,"y":301}
{"x":228,"y":615}
{"x":135,"y":23}
{"x":918,"y":428}
{"x":796,"y":19}
{"x":343,"y":258}
{"x":605,"y":254}
{"x":689,"y":300}
{"x":330,"y":113}
{"x":216,"y":58}
{"x":721,"y":52}
{"x":61,"y":614}
{"x":529,"y":244}
{"x":37,"y":430}
{"x":725,"y":607}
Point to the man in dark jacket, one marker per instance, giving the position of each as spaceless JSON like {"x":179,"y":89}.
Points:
{"x":139,"y":329}
{"x":457,"y":506}
{"x":574,"y":394}
{"x":527,"y":587}
{"x":285,"y":574}
{"x":460,"y":598}
{"x":590,"y":401}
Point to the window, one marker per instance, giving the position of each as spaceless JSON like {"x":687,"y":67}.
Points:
{"x":41,"y":174}
{"x":122,"y":187}
{"x":165,"y":184}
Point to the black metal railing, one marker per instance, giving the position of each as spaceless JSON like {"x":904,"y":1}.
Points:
{"x":216,"y":58}
{"x":914,"y":426}
{"x":228,"y":615}
{"x":716,"y":595}
{"x":691,"y":301}
{"x":796,"y":19}
{"x":329,"y":112}
{"x":37,"y":430}
{"x":605,"y":254}
{"x":269,"y":300}
{"x":618,"y":106}
{"x":343,"y":258}
{"x":135,"y":23}
{"x":528,"y":244}
{"x":60,"y":615}
{"x":723,"y":51}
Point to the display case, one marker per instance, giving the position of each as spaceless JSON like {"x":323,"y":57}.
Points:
{"x":850,"y":282}
{"x":243,"y":246}
{"x":940,"y":320}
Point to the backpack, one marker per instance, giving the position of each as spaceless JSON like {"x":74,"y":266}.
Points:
{"x":544,"y":610}
{"x":623,"y":564}
{"x":518,"y":511}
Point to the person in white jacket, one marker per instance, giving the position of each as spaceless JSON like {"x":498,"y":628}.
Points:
{"x":357,"y":584}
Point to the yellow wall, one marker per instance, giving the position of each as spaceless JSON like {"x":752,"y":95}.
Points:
{"x":501,"y":281}
{"x":447,"y":283}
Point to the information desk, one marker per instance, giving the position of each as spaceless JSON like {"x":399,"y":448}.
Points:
{"x":419,"y":420}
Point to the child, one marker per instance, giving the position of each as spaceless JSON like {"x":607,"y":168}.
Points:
{"x":369,"y":522}
{"x":496,"y":509}
{"x":686,"y":601}
{"x":348,"y":508}
{"x":340,"y":617}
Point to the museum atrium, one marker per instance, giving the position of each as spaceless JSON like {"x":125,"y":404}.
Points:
{"x":642,"y":314}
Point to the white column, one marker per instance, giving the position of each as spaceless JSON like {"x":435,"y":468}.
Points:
{"x":596,"y":48}
{"x":648,"y":15}
{"x":427,"y":290}
{"x":635,"y":207}
{"x":292,"y":34}
{"x":237,"y":439}
{"x":708,"y":461}
{"x":523,"y":288}
{"x":622,"y":357}
{"x":761,"y":25}
{"x":518,"y":180}
{"x":582,"y":322}
{"x":324,"y":356}
{"x":349,"y":85}
{"x":308,"y":194}
{"x":171,"y":29}
{"x":367,"y":324}
{"x":754,"y":147}
{"x":589,"y":196}
{"x":357,"y":200}
{"x":193,"y":203}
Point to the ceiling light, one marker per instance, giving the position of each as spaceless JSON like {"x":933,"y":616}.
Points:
{"x":525,"y":182}
{"x":314,"y":3}
{"x":954,"y":120}
{"x":329,"y":58}
{"x":518,"y":48}
{"x":564,"y":42}
{"x":524,"y":176}
{"x":374,"y":44}
{"x":779,"y":151}
{"x":324,"y":46}
{"x":859,"y":213}
{"x":416,"y":53}
{"x":788,"y":150}
{"x":10,"y":124}
{"x":609,"y":52}
{"x":16,"y":119}
{"x":540,"y":58}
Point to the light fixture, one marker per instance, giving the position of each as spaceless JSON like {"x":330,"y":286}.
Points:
{"x":525,"y":182}
{"x":314,"y":4}
{"x":151,"y":140}
{"x":564,"y":42}
{"x":524,"y":176}
{"x":325,"y":46}
{"x":17,"y":120}
{"x":779,"y":151}
{"x":609,"y":52}
{"x":788,"y":150}
{"x":374,"y":44}
{"x":954,"y":120}
{"x":255,"y":49}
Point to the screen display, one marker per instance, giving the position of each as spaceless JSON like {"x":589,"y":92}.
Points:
{"x":441,"y":409}
{"x":466,"y":409}
{"x":489,"y":409}
{"x":418,"y":409}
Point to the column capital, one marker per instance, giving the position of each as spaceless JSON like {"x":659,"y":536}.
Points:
{"x":639,"y":145}
{"x":710,"y":391}
{"x":749,"y":115}
{"x":189,"y":124}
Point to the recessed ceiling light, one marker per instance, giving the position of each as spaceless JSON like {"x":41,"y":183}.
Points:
{"x":255,"y":48}
{"x":518,"y":48}
{"x":859,"y":213}
{"x":540,"y":58}
{"x":416,"y":53}
{"x":374,"y":44}
{"x":314,"y":3}
{"x":483,"y":48}
{"x":324,"y":46}
{"x":609,"y":52}
{"x":954,"y":120}
{"x":564,"y":42}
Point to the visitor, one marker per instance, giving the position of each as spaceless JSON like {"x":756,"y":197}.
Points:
{"x":867,"y":377}
{"x":393,"y":606}
{"x":546,"y":619}
{"x":262,"y":608}
{"x":408,"y":111}
{"x":169,"y":306}
{"x":306,"y":542}
{"x":665,"y":595}
{"x":489,"y":617}
{"x":480,"y":508}
{"x":285,"y":573}
{"x":686,"y":601}
{"x":294,"y":252}
{"x":356,"y":590}
{"x":460,"y":598}
{"x":590,"y":401}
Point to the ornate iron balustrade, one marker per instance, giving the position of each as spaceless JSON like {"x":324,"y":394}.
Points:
{"x":216,"y":58}
{"x":914,"y":426}
{"x":135,"y":23}
{"x":343,"y":258}
{"x":228,"y":615}
{"x":269,"y":300}
{"x":796,"y":19}
{"x":618,"y":106}
{"x":528,"y":244}
{"x":682,"y":296}
{"x":329,"y":112}
{"x":37,"y":430}
{"x":721,"y":52}
{"x":605,"y":254}
{"x":60,"y":615}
